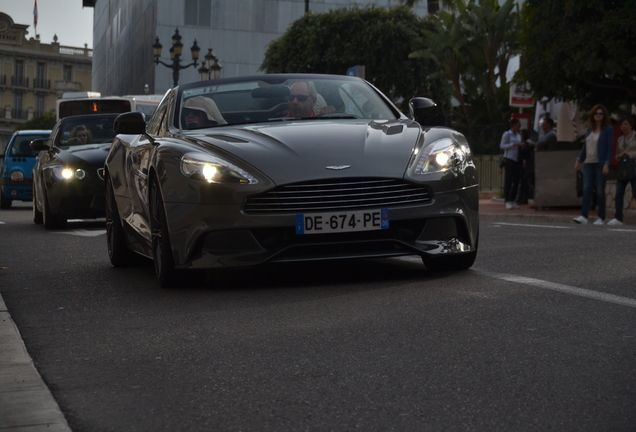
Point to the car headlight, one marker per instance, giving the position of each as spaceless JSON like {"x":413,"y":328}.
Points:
{"x":17,"y":176}
{"x":66,"y":173}
{"x":214,"y":170}
{"x":439,"y":156}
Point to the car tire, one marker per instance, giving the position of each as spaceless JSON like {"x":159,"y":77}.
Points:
{"x":118,"y":252}
{"x":38,"y":218}
{"x":452,"y":263}
{"x":5,"y":203}
{"x":161,"y":246}
{"x":50,"y":220}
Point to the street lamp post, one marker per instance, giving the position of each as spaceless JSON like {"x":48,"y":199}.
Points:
{"x":175,"y":55}
{"x":211,"y":68}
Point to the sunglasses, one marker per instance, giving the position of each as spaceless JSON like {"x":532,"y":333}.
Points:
{"x":301,"y":98}
{"x":599,"y":113}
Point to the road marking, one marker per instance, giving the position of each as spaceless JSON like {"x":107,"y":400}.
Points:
{"x":532,"y":225}
{"x":610,"y":298}
{"x":82,"y":232}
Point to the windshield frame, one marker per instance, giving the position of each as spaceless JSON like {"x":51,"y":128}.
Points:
{"x":67,"y":124}
{"x":386,"y":110}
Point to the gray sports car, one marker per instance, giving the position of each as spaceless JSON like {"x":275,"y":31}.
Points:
{"x":244,"y":171}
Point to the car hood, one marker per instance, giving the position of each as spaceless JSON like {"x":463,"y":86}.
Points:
{"x":296,"y":151}
{"x":92,"y":154}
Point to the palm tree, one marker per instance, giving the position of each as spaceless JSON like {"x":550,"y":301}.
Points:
{"x":445,"y":44}
{"x":494,"y":32}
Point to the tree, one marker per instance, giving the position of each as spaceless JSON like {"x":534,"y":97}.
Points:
{"x":581,"y":51}
{"x":378,"y":38}
{"x":444,"y":44}
{"x":42,"y":122}
{"x":474,"y":47}
{"x":494,"y":33}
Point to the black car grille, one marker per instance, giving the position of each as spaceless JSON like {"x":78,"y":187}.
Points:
{"x":335,"y":194}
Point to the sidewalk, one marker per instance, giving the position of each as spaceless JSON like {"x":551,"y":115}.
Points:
{"x":494,"y":210}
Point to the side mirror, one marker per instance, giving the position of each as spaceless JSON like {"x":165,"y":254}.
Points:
{"x":131,"y":123}
{"x":425,"y":112}
{"x":39,"y":144}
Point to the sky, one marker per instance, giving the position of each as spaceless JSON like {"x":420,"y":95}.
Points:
{"x":72,"y":23}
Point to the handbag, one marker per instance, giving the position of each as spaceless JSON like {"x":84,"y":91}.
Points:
{"x":626,"y":169}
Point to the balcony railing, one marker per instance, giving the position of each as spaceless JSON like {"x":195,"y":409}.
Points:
{"x":41,"y":83}
{"x":19,"y":81}
{"x":18,"y":114}
{"x":76,"y":51}
{"x":3,"y":80}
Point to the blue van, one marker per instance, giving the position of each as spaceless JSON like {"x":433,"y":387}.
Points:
{"x":16,"y":164}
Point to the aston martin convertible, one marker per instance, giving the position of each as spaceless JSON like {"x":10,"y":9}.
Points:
{"x":246,"y":171}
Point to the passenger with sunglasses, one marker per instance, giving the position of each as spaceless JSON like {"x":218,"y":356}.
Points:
{"x":594,"y":160}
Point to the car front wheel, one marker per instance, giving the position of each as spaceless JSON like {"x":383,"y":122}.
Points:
{"x":118,"y":253}
{"x":37,"y":214}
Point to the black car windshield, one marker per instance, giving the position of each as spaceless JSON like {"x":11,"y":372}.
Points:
{"x":254,"y":100}
{"x":86,"y":130}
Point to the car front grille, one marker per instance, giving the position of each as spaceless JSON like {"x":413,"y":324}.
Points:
{"x":336,"y":194}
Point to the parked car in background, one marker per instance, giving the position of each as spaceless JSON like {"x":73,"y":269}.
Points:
{"x":67,"y":183}
{"x":16,"y":165}
{"x":240,"y":172}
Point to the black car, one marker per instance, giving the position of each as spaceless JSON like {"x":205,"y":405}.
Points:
{"x":67,"y":182}
{"x":245,"y":171}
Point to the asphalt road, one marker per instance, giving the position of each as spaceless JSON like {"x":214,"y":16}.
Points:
{"x":539,"y":336}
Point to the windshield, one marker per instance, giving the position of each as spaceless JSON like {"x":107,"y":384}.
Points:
{"x":83,"y":130}
{"x":20,"y":146}
{"x":256,"y":101}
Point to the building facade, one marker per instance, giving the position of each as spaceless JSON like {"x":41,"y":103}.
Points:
{"x":238,"y":31}
{"x":33,"y":75}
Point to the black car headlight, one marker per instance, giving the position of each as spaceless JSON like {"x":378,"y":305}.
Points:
{"x":212,"y":169}
{"x":68,"y":173}
{"x":439,"y":156}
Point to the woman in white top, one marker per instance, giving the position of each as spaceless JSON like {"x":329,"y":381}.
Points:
{"x":626,"y":146}
{"x":595,"y":158}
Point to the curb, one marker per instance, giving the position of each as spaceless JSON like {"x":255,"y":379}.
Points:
{"x":26,"y":403}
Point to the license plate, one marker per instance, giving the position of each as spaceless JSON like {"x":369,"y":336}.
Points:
{"x":324,"y":223}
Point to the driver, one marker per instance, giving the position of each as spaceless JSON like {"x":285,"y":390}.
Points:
{"x":302,"y":100}
{"x":80,"y":135}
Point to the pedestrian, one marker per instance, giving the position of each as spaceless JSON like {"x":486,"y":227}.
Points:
{"x":526,"y":155}
{"x":594,"y":160}
{"x":510,"y":143}
{"x":549,"y":138}
{"x":626,"y":147}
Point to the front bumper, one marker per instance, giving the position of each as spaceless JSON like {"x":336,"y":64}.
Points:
{"x":205,"y":236}
{"x":77,"y":200}
{"x":20,"y":193}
